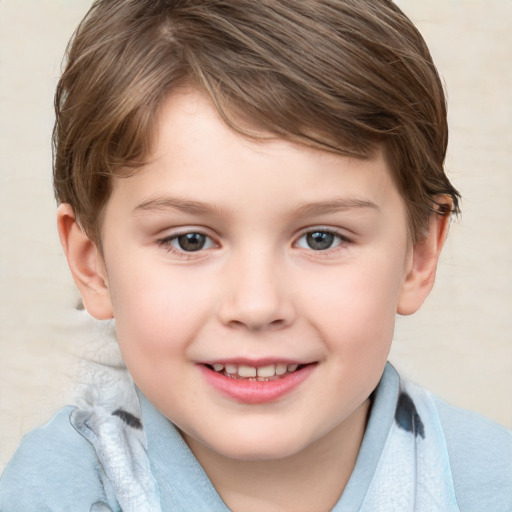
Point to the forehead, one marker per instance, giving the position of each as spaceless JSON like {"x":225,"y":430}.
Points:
{"x":197,"y":158}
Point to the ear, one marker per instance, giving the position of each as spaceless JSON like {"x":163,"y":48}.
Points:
{"x":423,"y":261}
{"x":86,"y":264}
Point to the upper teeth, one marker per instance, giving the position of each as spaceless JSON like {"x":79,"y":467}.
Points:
{"x":243,"y":370}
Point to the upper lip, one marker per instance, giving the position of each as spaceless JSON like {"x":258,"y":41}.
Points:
{"x":256,"y":363}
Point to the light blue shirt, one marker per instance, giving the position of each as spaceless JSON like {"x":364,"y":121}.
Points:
{"x":57,"y":469}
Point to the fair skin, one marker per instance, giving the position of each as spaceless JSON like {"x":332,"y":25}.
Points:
{"x":234,"y":255}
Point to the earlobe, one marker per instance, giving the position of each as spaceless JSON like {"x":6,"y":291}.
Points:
{"x":423,"y":264}
{"x":86,"y":264}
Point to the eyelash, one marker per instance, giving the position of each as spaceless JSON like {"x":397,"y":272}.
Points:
{"x":342,"y":240}
{"x":180,"y":252}
{"x":167,"y":241}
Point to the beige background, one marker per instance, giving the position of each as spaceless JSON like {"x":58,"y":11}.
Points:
{"x":459,"y":345}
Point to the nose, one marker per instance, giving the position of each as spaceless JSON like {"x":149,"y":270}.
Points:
{"x":256,"y":295}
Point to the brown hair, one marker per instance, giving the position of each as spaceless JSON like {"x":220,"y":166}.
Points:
{"x":347,"y":76}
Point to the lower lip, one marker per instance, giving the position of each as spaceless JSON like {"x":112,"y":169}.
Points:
{"x":253,"y":391}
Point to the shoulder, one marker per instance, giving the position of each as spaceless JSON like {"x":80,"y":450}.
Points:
{"x":53,"y":469}
{"x":480,"y":453}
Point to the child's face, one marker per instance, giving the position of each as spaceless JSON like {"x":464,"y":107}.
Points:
{"x":253,"y":255}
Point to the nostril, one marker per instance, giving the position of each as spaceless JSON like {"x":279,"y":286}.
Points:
{"x":258,"y":326}
{"x":236,"y":324}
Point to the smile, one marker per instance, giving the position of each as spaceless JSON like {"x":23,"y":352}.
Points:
{"x":262,"y":374}
{"x":256,"y":384}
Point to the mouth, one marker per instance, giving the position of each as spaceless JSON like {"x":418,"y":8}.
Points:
{"x":256,"y":383}
{"x":266,"y":373}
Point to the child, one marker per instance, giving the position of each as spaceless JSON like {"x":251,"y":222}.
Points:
{"x":253,"y":190}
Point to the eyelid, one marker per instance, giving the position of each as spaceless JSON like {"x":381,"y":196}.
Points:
{"x":344,"y":239}
{"x":165,"y":242}
{"x":208,"y":241}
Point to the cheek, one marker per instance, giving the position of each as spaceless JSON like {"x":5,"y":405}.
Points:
{"x":156,"y":312}
{"x":356,"y":291}
{"x":355,"y":307}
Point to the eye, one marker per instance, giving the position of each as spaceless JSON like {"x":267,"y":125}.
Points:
{"x":189,"y":242}
{"x":319,"y":240}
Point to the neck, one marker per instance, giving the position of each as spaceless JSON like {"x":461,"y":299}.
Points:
{"x":312,"y":479}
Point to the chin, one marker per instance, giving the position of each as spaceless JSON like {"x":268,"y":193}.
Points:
{"x":258,"y":447}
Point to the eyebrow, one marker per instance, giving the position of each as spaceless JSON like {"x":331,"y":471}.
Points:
{"x":197,"y":207}
{"x":333,"y":206}
{"x":181,"y":205}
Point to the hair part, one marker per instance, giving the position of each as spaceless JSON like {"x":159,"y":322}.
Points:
{"x":347,"y":76}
